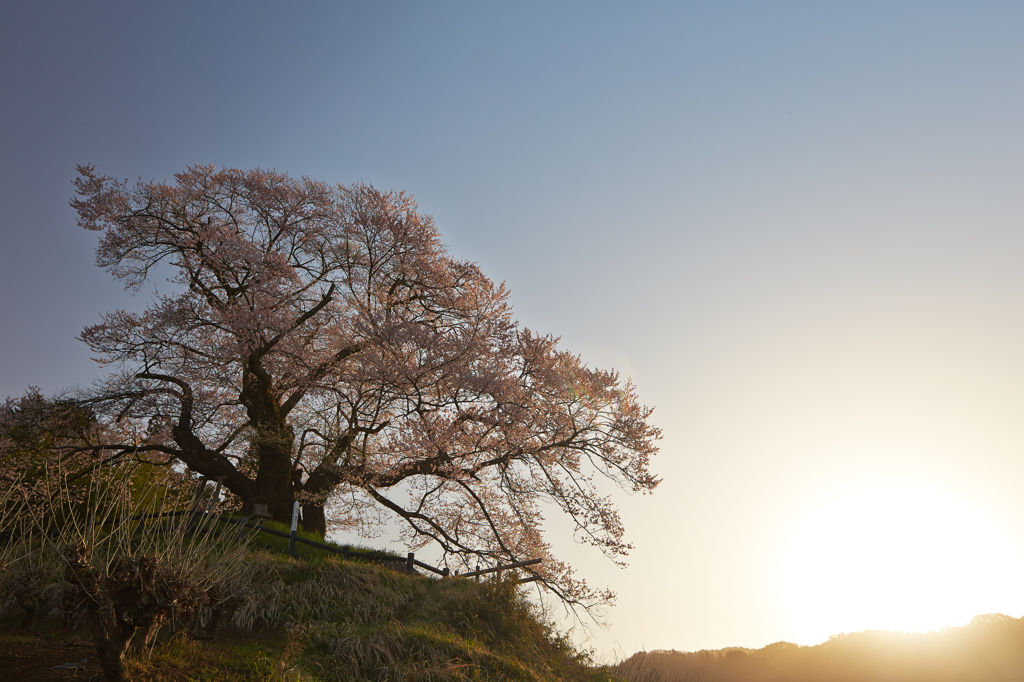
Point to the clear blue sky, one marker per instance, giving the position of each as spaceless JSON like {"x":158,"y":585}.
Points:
{"x":796,"y":225}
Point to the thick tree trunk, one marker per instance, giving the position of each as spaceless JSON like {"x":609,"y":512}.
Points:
{"x":221,"y":613}
{"x":273,"y":443}
{"x":111,"y":639}
{"x":273,"y":485}
{"x":318,"y":487}
{"x":278,"y":503}
{"x":149,"y":632}
{"x":314,"y":519}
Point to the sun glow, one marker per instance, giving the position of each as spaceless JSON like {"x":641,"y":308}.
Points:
{"x":897,"y":556}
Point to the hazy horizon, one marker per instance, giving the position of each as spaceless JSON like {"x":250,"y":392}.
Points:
{"x":985,"y":649}
{"x":796,"y":227}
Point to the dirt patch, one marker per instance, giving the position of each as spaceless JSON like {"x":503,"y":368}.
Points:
{"x":34,"y":659}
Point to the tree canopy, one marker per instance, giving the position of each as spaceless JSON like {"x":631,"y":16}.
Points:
{"x":320,"y":345}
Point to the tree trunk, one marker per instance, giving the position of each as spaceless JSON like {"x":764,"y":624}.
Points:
{"x":272,"y":445}
{"x":111,"y":638}
{"x":317,"y":489}
{"x":220,"y":613}
{"x":149,"y":632}
{"x":276,"y":494}
{"x":28,"y":620}
{"x":273,"y":485}
{"x":278,"y":506}
{"x":314,"y":519}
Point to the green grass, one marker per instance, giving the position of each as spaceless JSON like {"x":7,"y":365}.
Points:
{"x":276,"y":543}
{"x":328,"y":620}
{"x":365,"y":622}
{"x":226,"y":660}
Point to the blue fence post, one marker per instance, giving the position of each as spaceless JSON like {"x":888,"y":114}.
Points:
{"x":295,"y":528}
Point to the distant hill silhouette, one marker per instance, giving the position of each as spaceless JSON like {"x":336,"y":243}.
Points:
{"x":989,"y":649}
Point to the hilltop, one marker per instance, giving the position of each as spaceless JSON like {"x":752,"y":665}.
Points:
{"x":329,"y":620}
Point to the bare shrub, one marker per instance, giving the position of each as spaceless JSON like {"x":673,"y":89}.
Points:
{"x":125,"y":576}
{"x":27,"y":569}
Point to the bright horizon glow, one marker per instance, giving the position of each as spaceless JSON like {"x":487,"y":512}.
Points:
{"x":896,"y":555}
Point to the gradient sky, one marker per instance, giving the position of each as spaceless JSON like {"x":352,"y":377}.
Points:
{"x":796,"y":226}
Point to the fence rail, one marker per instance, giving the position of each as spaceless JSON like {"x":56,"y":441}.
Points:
{"x":518,"y":564}
{"x":410,"y":560}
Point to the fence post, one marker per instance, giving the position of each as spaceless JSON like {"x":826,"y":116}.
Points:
{"x":241,"y":528}
{"x":195,"y":507}
{"x":445,"y":572}
{"x":295,"y":528}
{"x":215,"y":497}
{"x":408,"y":563}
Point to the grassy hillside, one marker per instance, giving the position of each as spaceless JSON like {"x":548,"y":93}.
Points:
{"x":328,"y":620}
{"x":990,"y":648}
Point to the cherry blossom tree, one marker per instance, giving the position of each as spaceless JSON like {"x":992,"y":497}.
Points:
{"x":320,"y":345}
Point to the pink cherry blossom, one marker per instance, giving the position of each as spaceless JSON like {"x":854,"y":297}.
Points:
{"x":321,"y":345}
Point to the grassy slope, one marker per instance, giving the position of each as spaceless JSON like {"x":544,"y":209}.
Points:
{"x":323,"y":619}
